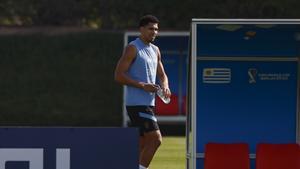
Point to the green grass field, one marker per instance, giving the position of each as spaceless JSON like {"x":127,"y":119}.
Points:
{"x":171,"y":154}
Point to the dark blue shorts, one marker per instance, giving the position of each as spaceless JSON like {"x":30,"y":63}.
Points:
{"x":143,"y":118}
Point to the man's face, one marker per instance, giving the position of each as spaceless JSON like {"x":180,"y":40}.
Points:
{"x":149,"y":32}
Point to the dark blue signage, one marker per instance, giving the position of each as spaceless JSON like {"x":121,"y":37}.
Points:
{"x":68,"y":148}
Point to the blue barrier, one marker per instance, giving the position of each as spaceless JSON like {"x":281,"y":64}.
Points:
{"x":68,"y":148}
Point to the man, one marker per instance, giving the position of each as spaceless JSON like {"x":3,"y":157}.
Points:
{"x":138,"y":68}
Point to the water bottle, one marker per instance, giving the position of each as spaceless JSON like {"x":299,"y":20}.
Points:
{"x":161,"y":95}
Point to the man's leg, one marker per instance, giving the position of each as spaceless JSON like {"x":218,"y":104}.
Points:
{"x":141,"y":145}
{"x":152,"y":141}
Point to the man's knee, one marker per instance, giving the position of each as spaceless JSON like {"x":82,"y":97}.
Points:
{"x":154,"y":138}
{"x":159,"y":140}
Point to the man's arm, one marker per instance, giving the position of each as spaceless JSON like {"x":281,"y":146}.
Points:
{"x":162,"y":76}
{"x":122,"y":67}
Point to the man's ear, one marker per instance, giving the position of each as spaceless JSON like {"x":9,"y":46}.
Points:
{"x":141,"y":28}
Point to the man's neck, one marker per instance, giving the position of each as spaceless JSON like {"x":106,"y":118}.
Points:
{"x":144,"y":41}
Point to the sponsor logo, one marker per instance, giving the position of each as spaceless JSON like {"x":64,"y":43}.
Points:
{"x":252,"y":75}
{"x":34,"y":156}
{"x":216,"y":75}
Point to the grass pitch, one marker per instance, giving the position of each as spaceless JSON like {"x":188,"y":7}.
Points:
{"x":171,"y":154}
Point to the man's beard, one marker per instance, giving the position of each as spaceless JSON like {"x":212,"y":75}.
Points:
{"x":152,"y":39}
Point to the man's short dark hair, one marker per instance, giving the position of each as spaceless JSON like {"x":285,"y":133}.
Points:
{"x":145,"y":20}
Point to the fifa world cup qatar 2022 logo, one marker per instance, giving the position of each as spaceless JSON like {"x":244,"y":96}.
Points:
{"x":252,"y":72}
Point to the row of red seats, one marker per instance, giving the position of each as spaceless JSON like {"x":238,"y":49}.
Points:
{"x":236,"y":156}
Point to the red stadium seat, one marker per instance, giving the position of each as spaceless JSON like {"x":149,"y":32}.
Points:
{"x":278,"y":156}
{"x":163,"y":109}
{"x":226,"y":156}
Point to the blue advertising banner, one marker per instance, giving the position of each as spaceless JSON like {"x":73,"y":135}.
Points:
{"x":68,"y":148}
{"x":249,"y":102}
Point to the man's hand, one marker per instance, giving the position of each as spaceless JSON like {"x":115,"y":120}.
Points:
{"x":166,"y":92}
{"x":149,"y":87}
